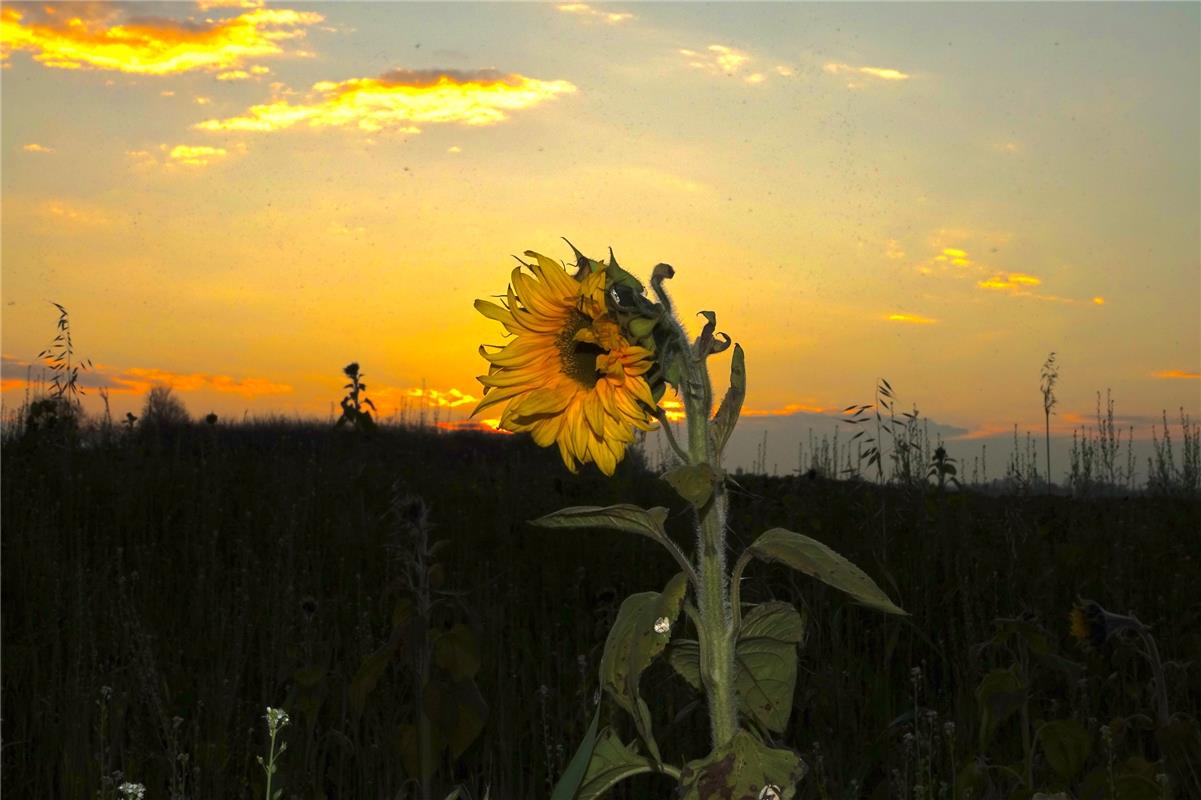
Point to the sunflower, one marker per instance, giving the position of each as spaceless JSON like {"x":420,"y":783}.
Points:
{"x":570,"y":377}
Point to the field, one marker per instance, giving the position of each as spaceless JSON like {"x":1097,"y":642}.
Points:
{"x":163,"y":586}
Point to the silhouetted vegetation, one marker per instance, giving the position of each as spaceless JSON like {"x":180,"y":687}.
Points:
{"x":160,"y":592}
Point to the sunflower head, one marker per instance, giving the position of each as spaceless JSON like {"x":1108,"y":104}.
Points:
{"x":570,"y":374}
{"x":1091,"y":625}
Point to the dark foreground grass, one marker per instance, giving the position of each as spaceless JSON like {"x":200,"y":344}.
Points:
{"x":161,"y":589}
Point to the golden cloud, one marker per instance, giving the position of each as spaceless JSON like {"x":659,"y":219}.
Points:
{"x":398,"y":100}
{"x":195,"y":156}
{"x":856,"y":73}
{"x":151,"y":46}
{"x":1176,"y":374}
{"x":1010,"y":281}
{"x":34,"y":147}
{"x":718,"y":59}
{"x":585,"y":10}
{"x":911,"y":319}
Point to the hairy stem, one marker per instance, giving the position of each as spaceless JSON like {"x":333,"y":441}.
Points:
{"x":716,"y":633}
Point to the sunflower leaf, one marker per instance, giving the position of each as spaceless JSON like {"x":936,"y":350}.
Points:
{"x":693,"y":482}
{"x":573,"y":777}
{"x":742,"y":767}
{"x":731,"y":404}
{"x":611,"y":762}
{"x":816,"y":559}
{"x":765,"y":663}
{"x":638,"y":636}
{"x":622,"y":517}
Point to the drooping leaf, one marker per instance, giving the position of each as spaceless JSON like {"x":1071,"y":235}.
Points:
{"x":693,"y":482}
{"x":1066,"y":744}
{"x":1000,"y":694}
{"x":638,"y":636}
{"x":816,"y":559}
{"x":740,"y":769}
{"x":731,"y":404}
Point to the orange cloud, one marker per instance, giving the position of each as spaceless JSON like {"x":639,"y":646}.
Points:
{"x":482,"y":425}
{"x":911,"y":319}
{"x":451,"y":398}
{"x":34,"y":147}
{"x":137,"y":380}
{"x":1176,"y":374}
{"x":399,"y":99}
{"x":585,"y":10}
{"x":786,"y":411}
{"x":151,"y":46}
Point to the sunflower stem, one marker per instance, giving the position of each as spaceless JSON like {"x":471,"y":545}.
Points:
{"x":716,"y":631}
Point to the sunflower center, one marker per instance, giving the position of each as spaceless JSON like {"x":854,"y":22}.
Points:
{"x":578,"y":359}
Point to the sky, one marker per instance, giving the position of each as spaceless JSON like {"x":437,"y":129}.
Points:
{"x":238,"y":199}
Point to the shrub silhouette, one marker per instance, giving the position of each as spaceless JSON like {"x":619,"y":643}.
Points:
{"x":163,"y":409}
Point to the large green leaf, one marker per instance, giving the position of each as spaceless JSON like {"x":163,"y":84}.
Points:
{"x":693,"y":482}
{"x":639,"y":634}
{"x":731,"y":404}
{"x":1066,"y":744}
{"x":611,"y":762}
{"x":740,"y":769}
{"x":814,"y":558}
{"x":1000,"y":694}
{"x":623,"y":517}
{"x":765,"y":663}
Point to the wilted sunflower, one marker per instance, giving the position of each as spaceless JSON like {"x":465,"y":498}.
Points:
{"x":569,"y":377}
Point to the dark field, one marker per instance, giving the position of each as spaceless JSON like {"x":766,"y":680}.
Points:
{"x":204,"y":573}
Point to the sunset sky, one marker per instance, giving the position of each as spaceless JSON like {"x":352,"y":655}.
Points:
{"x":238,"y":200}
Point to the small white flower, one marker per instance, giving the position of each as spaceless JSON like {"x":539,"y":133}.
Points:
{"x":277,"y":720}
{"x":132,"y":791}
{"x":662,"y":625}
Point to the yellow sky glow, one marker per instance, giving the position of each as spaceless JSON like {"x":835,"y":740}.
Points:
{"x":911,"y":319}
{"x":585,"y":10}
